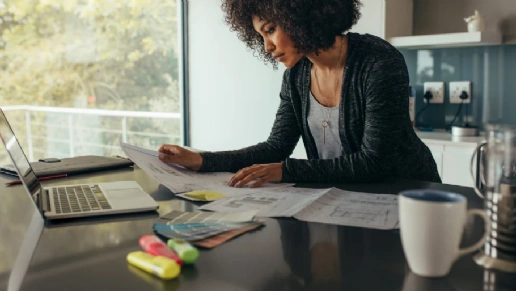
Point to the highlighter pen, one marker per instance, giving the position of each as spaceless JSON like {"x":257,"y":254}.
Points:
{"x":162,"y":267}
{"x":154,"y":246}
{"x":186,"y":251}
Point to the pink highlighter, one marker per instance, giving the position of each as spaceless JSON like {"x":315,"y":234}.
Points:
{"x":154,"y":246}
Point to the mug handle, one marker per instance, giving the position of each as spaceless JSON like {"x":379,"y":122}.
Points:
{"x":487,"y":230}
{"x":481,"y":167}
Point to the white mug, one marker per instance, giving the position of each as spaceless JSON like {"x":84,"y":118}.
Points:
{"x":431,"y":226}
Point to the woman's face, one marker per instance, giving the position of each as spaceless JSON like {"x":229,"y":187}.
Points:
{"x":277,"y":42}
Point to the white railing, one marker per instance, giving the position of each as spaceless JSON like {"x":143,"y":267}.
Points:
{"x":71,"y":112}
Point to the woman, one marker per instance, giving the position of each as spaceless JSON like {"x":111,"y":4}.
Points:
{"x":345,"y":94}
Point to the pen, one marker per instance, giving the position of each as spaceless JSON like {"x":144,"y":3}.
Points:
{"x":190,"y":224}
{"x":195,"y":225}
{"x":16,"y":182}
{"x":121,"y":157}
{"x":9,"y":173}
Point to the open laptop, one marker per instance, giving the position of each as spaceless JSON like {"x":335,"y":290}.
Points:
{"x":70,"y":201}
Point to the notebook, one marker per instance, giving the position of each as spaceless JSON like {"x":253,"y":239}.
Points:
{"x":73,"y":166}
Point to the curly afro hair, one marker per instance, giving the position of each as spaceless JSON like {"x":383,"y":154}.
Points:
{"x":312,"y":24}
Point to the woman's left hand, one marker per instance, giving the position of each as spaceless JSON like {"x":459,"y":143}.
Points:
{"x":260,"y":174}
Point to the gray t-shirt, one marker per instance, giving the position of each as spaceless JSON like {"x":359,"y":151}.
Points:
{"x":328,"y":147}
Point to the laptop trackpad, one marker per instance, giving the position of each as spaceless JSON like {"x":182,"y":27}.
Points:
{"x":128,"y":193}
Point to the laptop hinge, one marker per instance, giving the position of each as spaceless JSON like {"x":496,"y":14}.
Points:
{"x":44,"y":202}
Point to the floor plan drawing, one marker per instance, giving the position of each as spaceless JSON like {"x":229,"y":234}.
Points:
{"x":237,"y":203}
{"x":280,"y":203}
{"x":365,"y":216}
{"x":332,"y":206}
{"x":348,"y":208}
{"x":180,"y":180}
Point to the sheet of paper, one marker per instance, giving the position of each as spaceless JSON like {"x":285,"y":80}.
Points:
{"x":347,"y":208}
{"x":279,"y":203}
{"x":180,"y":180}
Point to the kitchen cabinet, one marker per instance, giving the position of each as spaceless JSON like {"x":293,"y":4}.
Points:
{"x":437,"y":152}
{"x":385,"y":18}
{"x":456,"y":165}
{"x":452,"y":156}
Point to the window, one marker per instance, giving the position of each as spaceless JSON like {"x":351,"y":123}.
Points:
{"x":80,"y":76}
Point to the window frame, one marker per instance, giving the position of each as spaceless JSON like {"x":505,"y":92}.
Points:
{"x":183,"y":70}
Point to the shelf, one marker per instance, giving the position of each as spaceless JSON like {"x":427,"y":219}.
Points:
{"x":447,"y":40}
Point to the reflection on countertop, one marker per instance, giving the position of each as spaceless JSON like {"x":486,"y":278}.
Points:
{"x":69,"y":239}
{"x":79,"y":236}
{"x":16,"y":212}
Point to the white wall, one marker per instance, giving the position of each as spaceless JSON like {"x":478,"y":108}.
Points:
{"x":233,"y":95}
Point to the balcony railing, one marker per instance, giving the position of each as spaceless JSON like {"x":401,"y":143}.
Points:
{"x":71,"y":126}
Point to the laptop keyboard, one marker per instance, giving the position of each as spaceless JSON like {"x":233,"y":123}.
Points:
{"x":79,"y":198}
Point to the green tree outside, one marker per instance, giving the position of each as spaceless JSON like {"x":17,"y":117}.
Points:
{"x":106,"y":54}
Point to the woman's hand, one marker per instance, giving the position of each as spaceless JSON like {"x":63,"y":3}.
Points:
{"x":261,"y":174}
{"x":173,"y":154}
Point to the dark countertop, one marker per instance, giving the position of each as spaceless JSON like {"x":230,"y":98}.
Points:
{"x":89,"y":254}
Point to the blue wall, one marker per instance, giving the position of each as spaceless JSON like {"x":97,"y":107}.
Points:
{"x":491,"y":69}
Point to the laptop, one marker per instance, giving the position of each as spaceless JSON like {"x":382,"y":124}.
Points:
{"x":70,"y":201}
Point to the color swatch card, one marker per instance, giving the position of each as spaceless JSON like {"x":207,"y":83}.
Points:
{"x":195,"y":226}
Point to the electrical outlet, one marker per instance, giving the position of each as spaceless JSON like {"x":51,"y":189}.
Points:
{"x":437,"y":90}
{"x":456,"y":89}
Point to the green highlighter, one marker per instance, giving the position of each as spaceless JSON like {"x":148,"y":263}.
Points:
{"x":184,"y":250}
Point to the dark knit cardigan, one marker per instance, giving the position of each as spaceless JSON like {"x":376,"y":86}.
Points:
{"x":377,"y":137}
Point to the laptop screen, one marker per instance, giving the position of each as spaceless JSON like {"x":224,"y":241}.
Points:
{"x":17,"y":155}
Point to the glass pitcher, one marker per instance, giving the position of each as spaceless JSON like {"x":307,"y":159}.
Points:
{"x":498,"y":176}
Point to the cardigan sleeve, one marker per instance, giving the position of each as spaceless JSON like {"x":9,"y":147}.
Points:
{"x":386,"y":103}
{"x":282,"y":140}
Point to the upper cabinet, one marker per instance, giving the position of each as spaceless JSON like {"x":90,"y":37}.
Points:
{"x":385,"y":18}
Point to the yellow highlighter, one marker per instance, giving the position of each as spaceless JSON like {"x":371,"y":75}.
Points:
{"x":162,"y":267}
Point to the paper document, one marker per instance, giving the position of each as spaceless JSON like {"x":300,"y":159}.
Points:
{"x":280,"y":203}
{"x":332,"y":206}
{"x":353,"y":209}
{"x":180,"y":180}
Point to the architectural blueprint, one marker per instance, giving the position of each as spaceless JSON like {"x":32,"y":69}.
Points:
{"x":353,"y":209}
{"x":332,"y":206}
{"x":180,"y":180}
{"x":278,"y":203}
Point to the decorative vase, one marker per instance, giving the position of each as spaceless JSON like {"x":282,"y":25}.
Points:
{"x":475,"y":22}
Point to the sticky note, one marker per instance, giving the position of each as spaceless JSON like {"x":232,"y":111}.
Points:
{"x":206,"y":195}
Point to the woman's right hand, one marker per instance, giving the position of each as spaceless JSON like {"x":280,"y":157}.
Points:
{"x":173,"y":154}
